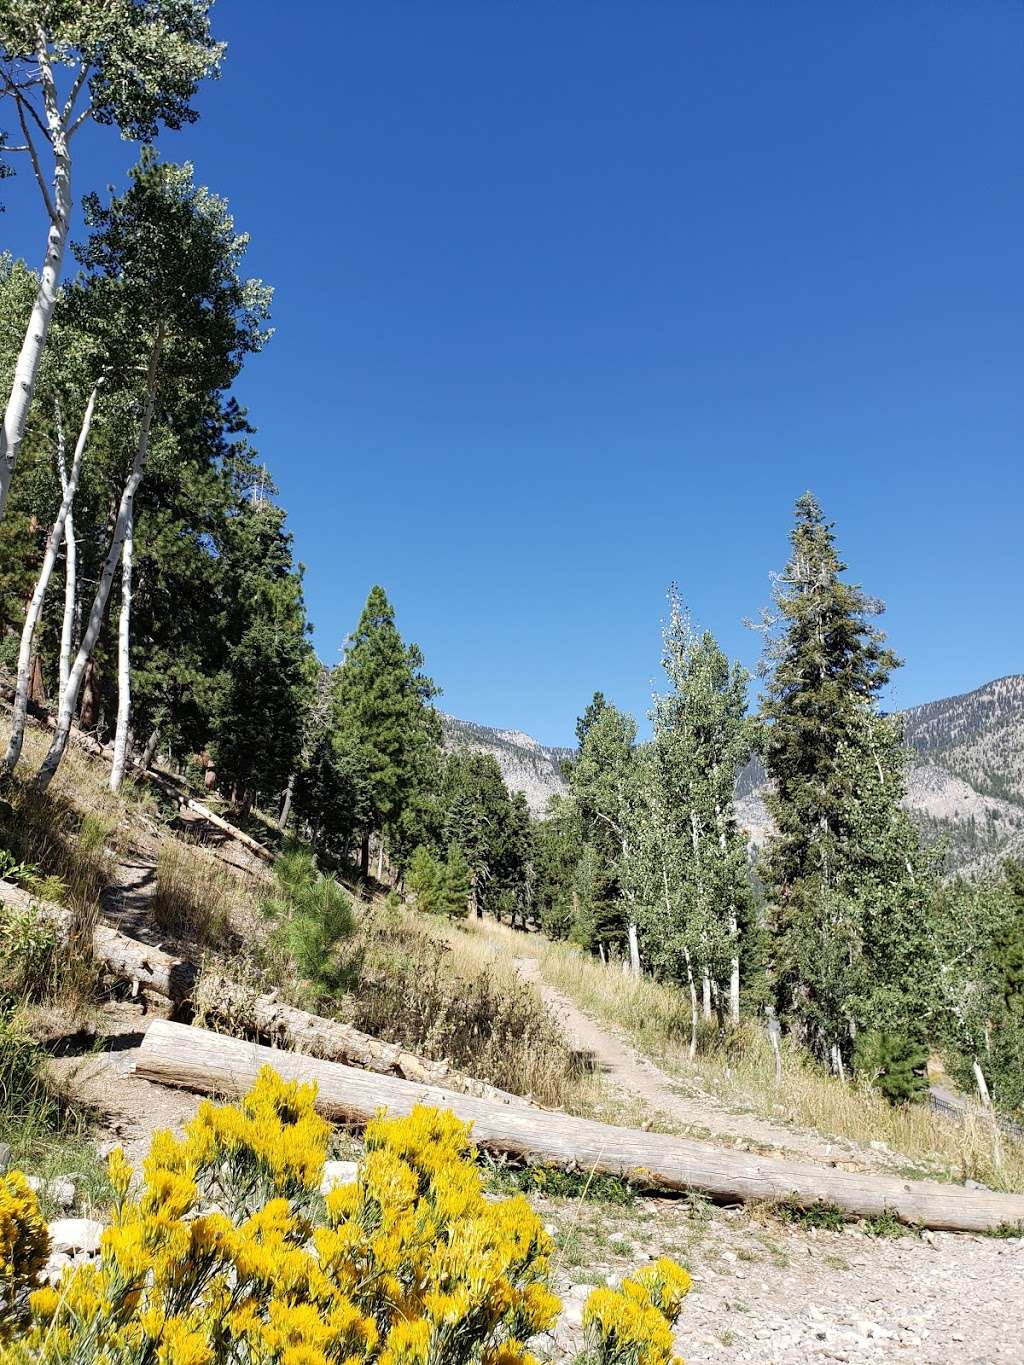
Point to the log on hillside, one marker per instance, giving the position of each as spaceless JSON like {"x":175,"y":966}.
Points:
{"x":329,"y":1039}
{"x":127,"y":958}
{"x":174,"y":1054}
{"x":143,"y":965}
{"x":169,"y":788}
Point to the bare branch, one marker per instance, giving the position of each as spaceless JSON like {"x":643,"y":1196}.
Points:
{"x":74,"y":92}
{"x":40,"y":179}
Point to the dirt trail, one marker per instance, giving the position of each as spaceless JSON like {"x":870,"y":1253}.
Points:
{"x":629,"y":1071}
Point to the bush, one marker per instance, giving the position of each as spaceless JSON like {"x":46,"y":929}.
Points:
{"x":424,"y":879}
{"x":314,"y":917}
{"x":894,"y":1064}
{"x":409,"y":1264}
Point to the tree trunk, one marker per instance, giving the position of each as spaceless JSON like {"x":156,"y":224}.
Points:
{"x":35,"y":606}
{"x":634,"y":950}
{"x":149,"y":753}
{"x":175,"y":1054}
{"x":30,"y":356}
{"x":380,"y":861}
{"x":364,"y":856}
{"x":124,"y":661}
{"x":734,"y":971}
{"x":67,"y":630}
{"x":705,"y":996}
{"x":37,"y":687}
{"x":89,"y":711}
{"x":67,"y":707}
{"x":286,"y":805}
{"x":986,"y":1100}
{"x":693,"y":1004}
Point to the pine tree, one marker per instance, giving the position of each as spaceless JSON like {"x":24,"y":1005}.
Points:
{"x":846,"y":886}
{"x":385,"y":731}
{"x":456,"y":884}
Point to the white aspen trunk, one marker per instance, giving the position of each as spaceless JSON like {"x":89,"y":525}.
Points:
{"x":67,"y":630}
{"x":986,"y":1100}
{"x":634,"y":950}
{"x":705,"y":995}
{"x":693,"y":1004}
{"x":35,"y":606}
{"x":69,"y":701}
{"x":286,"y":805}
{"x":124,"y":663}
{"x":30,"y":356}
{"x":734,"y":971}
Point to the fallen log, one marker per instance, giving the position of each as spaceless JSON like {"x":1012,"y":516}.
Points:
{"x":171,"y":789}
{"x":127,"y":958}
{"x":193,"y":1059}
{"x":236,"y":1006}
{"x":314,"y":1035}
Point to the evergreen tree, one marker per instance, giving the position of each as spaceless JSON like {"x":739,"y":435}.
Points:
{"x":456,"y":884}
{"x":386,"y":733}
{"x":846,"y":887}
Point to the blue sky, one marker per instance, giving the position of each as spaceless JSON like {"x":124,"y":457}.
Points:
{"x":574,"y":299}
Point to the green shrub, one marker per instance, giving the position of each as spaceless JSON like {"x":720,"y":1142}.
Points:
{"x":425,"y":879}
{"x":313,"y":917}
{"x":894,"y":1063}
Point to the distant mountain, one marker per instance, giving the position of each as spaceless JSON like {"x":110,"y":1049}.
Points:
{"x":527,"y":766}
{"x":965,"y":783}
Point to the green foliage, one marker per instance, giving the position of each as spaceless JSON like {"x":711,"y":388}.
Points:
{"x":425,"y":879}
{"x":820,"y":1215}
{"x":894,"y":1063}
{"x":314,"y":918}
{"x":385,"y":734}
{"x":554,"y":1181}
{"x":457,"y":885}
{"x":27,"y":942}
{"x":846,"y":885}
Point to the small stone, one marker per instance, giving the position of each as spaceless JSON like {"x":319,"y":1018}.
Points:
{"x":337,"y":1173}
{"x":75,"y":1234}
{"x":5,"y":1155}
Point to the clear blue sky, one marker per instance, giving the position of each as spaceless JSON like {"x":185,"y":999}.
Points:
{"x":575,"y":298}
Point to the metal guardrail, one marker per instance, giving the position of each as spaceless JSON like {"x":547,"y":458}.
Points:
{"x":958,"y":1112}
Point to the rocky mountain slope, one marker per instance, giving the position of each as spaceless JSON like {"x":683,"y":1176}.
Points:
{"x":527,"y":766}
{"x":965,"y":783}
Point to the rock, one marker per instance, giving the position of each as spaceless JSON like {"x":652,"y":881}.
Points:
{"x":337,"y":1173}
{"x":75,"y":1234}
{"x":62,"y":1192}
{"x":55,"y":1266}
{"x":5,"y":1155}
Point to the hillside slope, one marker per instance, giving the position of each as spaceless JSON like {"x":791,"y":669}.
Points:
{"x":527,"y":766}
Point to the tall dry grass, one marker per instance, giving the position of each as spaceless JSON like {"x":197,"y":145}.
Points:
{"x":445,"y":995}
{"x":740,"y":1072}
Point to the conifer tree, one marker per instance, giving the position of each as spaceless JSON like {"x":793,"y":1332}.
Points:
{"x":385,"y":729}
{"x":456,"y":884}
{"x":846,"y":886}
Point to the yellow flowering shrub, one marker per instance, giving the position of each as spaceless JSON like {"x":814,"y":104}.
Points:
{"x":633,"y":1325}
{"x":24,"y":1245}
{"x":228,"y":1254}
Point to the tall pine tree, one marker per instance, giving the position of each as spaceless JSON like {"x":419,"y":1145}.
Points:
{"x":386,"y":733}
{"x":845,"y":883}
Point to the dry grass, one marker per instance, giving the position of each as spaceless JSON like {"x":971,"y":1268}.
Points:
{"x":656,"y":1019}
{"x":443,"y":994}
{"x":65,"y":833}
{"x":193,"y":899}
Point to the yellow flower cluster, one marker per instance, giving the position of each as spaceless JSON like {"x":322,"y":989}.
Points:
{"x":229,"y":1256}
{"x":24,"y":1244}
{"x":633,"y":1325}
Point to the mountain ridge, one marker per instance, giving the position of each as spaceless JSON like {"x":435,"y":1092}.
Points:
{"x":965,"y":776}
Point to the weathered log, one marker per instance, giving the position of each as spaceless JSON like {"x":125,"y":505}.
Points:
{"x":128,"y":958}
{"x":237,"y":1006}
{"x":313,"y":1034}
{"x":193,"y":1059}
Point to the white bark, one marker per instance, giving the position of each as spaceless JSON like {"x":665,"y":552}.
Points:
{"x":67,"y":630}
{"x":69,"y":701}
{"x":634,"y":950}
{"x":124,"y":665}
{"x":35,"y":606}
{"x":734,"y":971}
{"x":986,"y":1100}
{"x":58,"y":207}
{"x":705,"y":994}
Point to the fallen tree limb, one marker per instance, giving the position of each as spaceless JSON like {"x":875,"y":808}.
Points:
{"x":193,"y":1059}
{"x":239,"y":1007}
{"x":169,"y":788}
{"x":329,"y":1039}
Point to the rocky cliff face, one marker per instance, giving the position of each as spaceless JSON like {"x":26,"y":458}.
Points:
{"x":965,"y":779}
{"x":527,"y":766}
